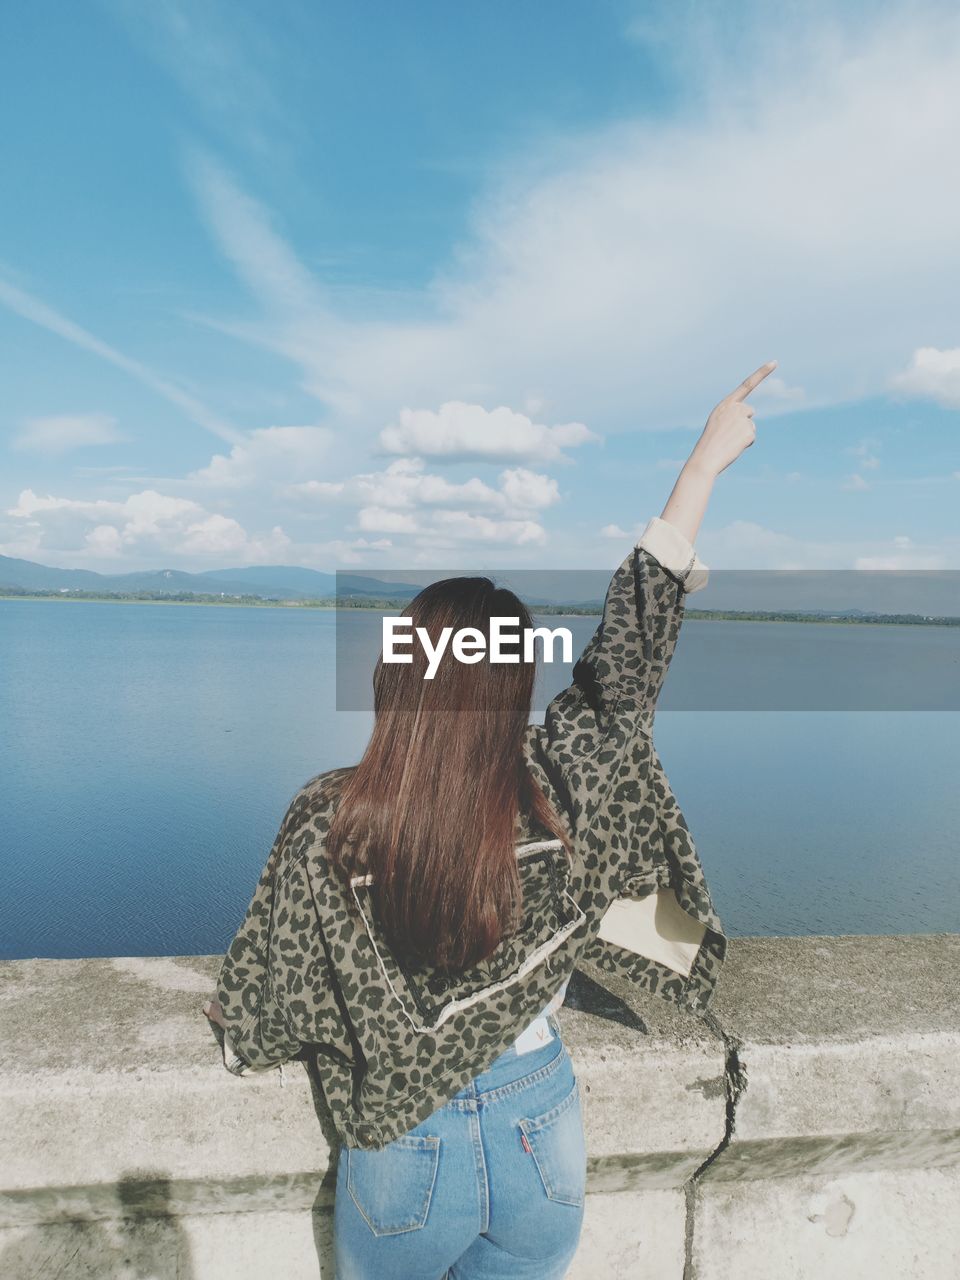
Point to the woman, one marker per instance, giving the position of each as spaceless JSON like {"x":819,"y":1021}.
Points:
{"x":420,"y":914}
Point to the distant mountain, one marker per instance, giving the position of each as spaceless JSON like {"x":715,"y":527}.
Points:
{"x":293,"y":581}
{"x":283,"y":579}
{"x":269,"y":582}
{"x":37,"y":577}
{"x":355,"y":584}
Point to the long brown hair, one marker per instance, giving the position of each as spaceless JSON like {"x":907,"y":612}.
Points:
{"x":431,"y":810}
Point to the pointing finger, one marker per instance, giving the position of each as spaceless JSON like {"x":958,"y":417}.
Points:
{"x":748,"y":384}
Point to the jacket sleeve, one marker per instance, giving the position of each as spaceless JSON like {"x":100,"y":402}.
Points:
{"x":257,"y":1033}
{"x":657,"y":925}
{"x":576,"y":753}
{"x":628,"y":655}
{"x":277,"y":986}
{"x":622,"y":667}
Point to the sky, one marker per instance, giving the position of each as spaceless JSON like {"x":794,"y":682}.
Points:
{"x":377,"y":285}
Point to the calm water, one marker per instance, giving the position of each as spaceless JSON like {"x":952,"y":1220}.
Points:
{"x":148,"y":753}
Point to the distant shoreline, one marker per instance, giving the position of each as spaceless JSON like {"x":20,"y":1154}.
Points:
{"x":558,"y":611}
{"x":219,"y":604}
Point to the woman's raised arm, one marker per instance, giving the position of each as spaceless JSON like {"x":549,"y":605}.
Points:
{"x":623,"y":666}
{"x":729,"y":431}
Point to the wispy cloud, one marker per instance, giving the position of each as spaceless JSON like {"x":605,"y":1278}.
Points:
{"x":863,"y":450}
{"x":296,"y":319}
{"x":220,"y":55}
{"x":32,"y":308}
{"x":61,"y":433}
{"x":745,"y":544}
{"x":636,"y":273}
{"x":246,"y":233}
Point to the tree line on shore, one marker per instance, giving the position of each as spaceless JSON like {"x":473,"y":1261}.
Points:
{"x":384,"y":604}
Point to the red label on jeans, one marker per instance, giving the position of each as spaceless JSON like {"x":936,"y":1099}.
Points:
{"x":526,"y":1144}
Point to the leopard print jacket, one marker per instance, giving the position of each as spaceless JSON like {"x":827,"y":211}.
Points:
{"x":309,"y":972}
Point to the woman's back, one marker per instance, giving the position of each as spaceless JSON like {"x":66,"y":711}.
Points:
{"x":442,"y":1082}
{"x":313,"y":969}
{"x":412,"y":964}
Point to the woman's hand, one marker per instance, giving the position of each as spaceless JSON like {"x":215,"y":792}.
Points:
{"x":728,"y":432}
{"x":730,"y":427}
{"x":215,"y":1013}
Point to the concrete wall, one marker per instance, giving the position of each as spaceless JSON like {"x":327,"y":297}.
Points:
{"x":809,"y":1127}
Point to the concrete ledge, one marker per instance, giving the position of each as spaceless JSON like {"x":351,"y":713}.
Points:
{"x":850,"y":1052}
{"x":823,"y":1090}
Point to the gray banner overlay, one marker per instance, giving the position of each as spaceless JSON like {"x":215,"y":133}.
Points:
{"x":752,"y":640}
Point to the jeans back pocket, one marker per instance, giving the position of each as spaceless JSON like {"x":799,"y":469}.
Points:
{"x":556,"y":1141}
{"x":393,"y":1187}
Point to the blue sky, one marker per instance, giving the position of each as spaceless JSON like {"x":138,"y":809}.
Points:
{"x":410,"y":285}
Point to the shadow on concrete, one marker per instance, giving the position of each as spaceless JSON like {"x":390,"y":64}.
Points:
{"x":588,"y":996}
{"x":323,"y":1203}
{"x":142,"y":1243}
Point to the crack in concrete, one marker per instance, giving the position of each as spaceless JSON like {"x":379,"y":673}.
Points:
{"x":735,"y":1082}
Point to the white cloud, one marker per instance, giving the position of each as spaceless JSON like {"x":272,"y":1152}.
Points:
{"x":268,"y":453}
{"x":403,"y":507}
{"x":636,"y":272}
{"x":465,"y":526}
{"x":437,"y":529}
{"x":383,"y":520}
{"x":868,"y":460}
{"x":774,"y":388}
{"x":528,"y":490}
{"x":432,"y":514}
{"x":628,"y":279}
{"x":458,"y":430}
{"x":341,"y":551}
{"x":104,"y":540}
{"x":744,"y":544}
{"x":318,"y":488}
{"x":146,"y":524}
{"x":932,"y":560}
{"x":63,"y":432}
{"x":406,"y":485}
{"x":218,"y":535}
{"x":932,"y":375}
{"x":855,"y":483}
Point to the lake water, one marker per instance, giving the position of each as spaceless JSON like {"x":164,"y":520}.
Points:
{"x":148,"y":754}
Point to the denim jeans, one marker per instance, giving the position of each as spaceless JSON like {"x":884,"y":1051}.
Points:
{"x":488,"y":1187}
